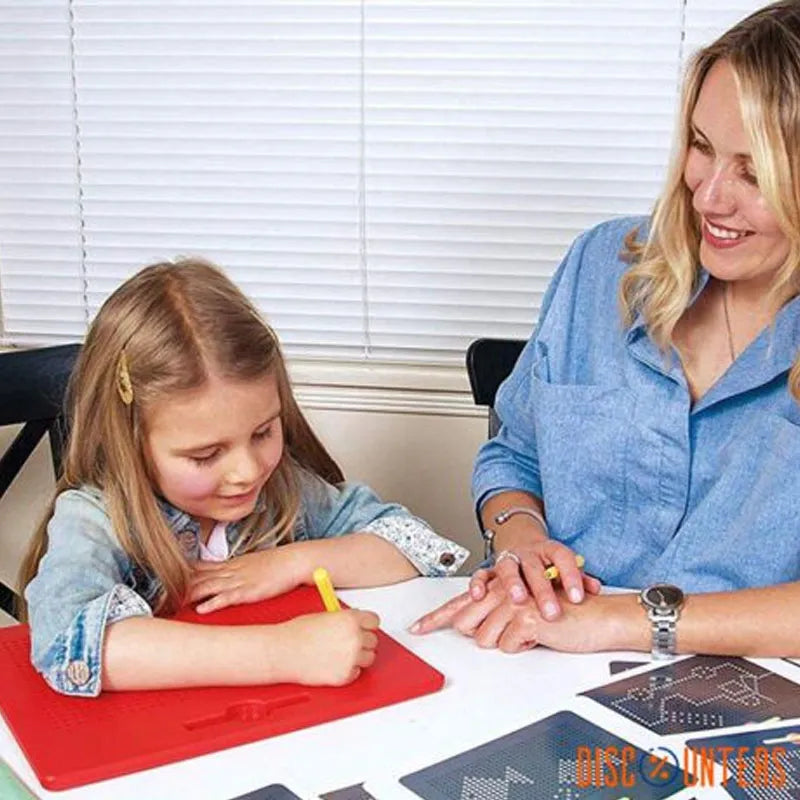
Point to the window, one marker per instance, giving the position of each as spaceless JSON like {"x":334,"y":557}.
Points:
{"x":388,"y":180}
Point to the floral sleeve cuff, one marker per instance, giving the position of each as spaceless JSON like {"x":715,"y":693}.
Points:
{"x":72,"y":664}
{"x":432,"y":555}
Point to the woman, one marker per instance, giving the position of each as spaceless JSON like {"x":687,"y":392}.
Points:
{"x":652,"y":423}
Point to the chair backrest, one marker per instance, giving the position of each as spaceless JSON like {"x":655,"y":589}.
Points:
{"x":489,"y":363}
{"x":32,"y":387}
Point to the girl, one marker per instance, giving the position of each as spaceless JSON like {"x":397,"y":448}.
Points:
{"x":191,"y":475}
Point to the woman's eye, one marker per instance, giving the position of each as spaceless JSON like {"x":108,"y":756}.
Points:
{"x":264,"y":434}
{"x":700,"y":146}
{"x":750,"y":177}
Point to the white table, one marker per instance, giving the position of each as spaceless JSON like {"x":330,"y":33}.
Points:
{"x":487,"y":694}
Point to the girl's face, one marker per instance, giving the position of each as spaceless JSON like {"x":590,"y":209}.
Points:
{"x":741,"y":239}
{"x":212,"y":449}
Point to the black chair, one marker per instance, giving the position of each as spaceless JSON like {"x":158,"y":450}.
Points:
{"x":32,"y":386}
{"x":489,"y":363}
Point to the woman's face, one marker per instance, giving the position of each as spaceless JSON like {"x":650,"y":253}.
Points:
{"x":741,"y":240}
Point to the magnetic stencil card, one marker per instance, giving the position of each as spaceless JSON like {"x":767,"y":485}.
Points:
{"x":69,"y":741}
{"x":759,"y":765}
{"x":276,"y":791}
{"x":547,"y":760}
{"x":701,"y":693}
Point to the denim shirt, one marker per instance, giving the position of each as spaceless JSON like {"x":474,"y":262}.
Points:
{"x":86,"y":581}
{"x":645,"y":484}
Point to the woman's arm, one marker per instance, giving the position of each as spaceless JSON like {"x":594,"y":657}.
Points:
{"x":747,"y":622}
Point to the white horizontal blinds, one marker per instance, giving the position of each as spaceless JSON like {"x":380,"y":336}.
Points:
{"x":40,"y":253}
{"x":494,"y":133}
{"x":705,"y":20}
{"x":230,"y":130}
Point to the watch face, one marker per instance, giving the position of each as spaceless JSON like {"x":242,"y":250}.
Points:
{"x":663,"y":595}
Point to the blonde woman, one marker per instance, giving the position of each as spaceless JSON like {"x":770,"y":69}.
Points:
{"x":652,"y":424}
{"x":192,"y":476}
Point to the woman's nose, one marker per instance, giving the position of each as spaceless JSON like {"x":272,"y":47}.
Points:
{"x":716,"y":194}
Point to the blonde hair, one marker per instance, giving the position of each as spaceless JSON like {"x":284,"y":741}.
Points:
{"x":172,"y":324}
{"x":763,"y":51}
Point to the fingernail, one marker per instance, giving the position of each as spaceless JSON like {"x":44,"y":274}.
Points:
{"x":475,"y":593}
{"x":575,"y":595}
{"x":550,"y":610}
{"x":517,"y":594}
{"x":415,"y":628}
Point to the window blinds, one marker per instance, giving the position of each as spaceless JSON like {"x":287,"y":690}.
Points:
{"x":388,"y":180}
{"x":40,"y":254}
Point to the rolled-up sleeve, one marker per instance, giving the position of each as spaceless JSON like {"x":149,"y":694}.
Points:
{"x":78,"y":591}
{"x":352,"y":507}
{"x":510,"y":460}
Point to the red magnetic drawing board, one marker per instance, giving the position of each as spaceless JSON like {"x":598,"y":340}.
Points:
{"x":71,"y":741}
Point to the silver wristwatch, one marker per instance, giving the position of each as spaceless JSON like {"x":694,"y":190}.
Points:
{"x":663,"y":603}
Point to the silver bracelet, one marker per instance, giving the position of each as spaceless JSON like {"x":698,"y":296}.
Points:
{"x":507,"y":513}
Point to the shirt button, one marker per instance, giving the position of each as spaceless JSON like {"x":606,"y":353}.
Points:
{"x":78,"y":672}
{"x":447,"y":559}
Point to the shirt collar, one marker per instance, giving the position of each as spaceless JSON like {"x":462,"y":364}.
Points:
{"x":178,"y":520}
{"x":769,"y":355}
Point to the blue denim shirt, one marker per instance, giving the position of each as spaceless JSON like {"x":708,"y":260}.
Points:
{"x":86,"y":581}
{"x":649,"y":487}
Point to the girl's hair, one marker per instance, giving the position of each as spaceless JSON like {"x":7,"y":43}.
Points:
{"x":763,"y":51}
{"x":172,"y":325}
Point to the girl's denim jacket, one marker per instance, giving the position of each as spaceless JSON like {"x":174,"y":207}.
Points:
{"x":86,"y":581}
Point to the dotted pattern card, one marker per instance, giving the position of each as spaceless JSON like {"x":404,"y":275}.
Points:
{"x":540,"y":761}
{"x":701,"y":693}
{"x":276,"y":791}
{"x":355,"y":792}
{"x":756,"y":770}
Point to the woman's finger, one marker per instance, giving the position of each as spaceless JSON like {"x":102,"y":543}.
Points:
{"x":488,"y":633}
{"x":470,"y":618}
{"x":518,"y":635}
{"x":592,"y":584}
{"x":542,"y":590}
{"x":478,"y":582}
{"x":508,"y":570}
{"x":442,"y":616}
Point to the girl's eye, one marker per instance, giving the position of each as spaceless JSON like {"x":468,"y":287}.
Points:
{"x":263,"y":434}
{"x":203,"y":460}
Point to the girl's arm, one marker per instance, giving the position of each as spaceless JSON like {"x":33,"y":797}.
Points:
{"x":360,"y":559}
{"x":315,"y":649}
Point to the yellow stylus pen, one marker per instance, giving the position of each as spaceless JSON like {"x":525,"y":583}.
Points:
{"x":325,"y":588}
{"x":551,"y":573}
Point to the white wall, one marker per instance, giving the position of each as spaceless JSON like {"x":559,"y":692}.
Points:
{"x":422,"y":460}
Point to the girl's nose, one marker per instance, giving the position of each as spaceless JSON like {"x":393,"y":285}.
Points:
{"x":245,"y":469}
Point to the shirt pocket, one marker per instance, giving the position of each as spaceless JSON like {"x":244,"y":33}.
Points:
{"x":582,"y":434}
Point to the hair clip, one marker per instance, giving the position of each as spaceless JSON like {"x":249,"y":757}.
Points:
{"x":124,"y":385}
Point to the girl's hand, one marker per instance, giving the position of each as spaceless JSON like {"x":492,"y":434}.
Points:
{"x":526,"y":579}
{"x":244,"y":579}
{"x":328,"y":649}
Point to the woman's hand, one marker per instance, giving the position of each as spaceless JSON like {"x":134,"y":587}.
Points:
{"x":605,"y":622}
{"x":527,"y":578}
{"x":245,"y":579}
{"x":328,"y":649}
